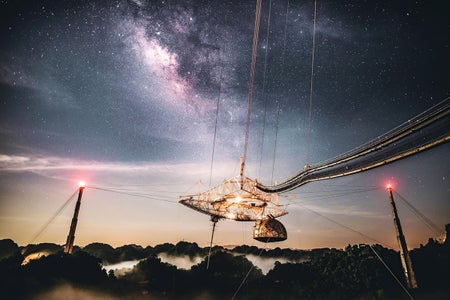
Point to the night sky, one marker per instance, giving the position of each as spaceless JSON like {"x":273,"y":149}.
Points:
{"x":125,"y":94}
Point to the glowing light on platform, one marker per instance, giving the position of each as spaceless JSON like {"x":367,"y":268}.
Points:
{"x":81,"y":184}
{"x":231,"y":216}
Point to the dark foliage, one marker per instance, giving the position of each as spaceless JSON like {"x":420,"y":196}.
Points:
{"x":297,"y":281}
{"x":103,"y":251}
{"x":352,"y":273}
{"x":226,"y":272}
{"x":181,"y":248}
{"x":277,"y":252}
{"x":432,"y":265}
{"x":186,"y":248}
{"x":166,"y":247}
{"x":131,"y":252}
{"x":22,"y":281}
{"x":154,"y":275}
{"x":8,"y":248}
{"x":110,"y":255}
{"x":43,"y":247}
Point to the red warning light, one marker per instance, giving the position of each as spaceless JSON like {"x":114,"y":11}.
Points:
{"x":389,"y":186}
{"x":82,"y":184}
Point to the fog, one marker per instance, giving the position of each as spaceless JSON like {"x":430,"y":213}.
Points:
{"x":265,"y":263}
{"x":181,"y":262}
{"x":68,"y":292}
{"x":185,"y":262}
{"x":121,"y":268}
{"x":34,"y":256}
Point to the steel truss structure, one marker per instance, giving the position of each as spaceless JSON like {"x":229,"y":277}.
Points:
{"x":236,"y":199}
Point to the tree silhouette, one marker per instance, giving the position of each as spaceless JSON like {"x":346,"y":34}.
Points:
{"x":352,"y":273}
{"x":8,"y":248}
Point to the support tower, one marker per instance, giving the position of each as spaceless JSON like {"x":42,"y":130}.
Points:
{"x":71,"y":237}
{"x":404,"y":254}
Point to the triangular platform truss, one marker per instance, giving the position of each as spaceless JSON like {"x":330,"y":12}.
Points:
{"x":236,"y":199}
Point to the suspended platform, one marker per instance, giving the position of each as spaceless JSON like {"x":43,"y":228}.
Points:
{"x":236,"y":199}
{"x":239,"y":199}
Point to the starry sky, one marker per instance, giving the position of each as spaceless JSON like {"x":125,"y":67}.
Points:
{"x":126,"y":95}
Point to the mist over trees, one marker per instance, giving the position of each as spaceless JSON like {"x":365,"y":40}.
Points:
{"x":351,"y":273}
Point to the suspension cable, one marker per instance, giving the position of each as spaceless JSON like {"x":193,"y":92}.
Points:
{"x":350,"y":229}
{"x":277,"y":119}
{"x":335,"y":195}
{"x":132,"y":194}
{"x":252,"y":79}
{"x":217,"y":114}
{"x":249,"y":271}
{"x":264,"y":95}
{"x":345,"y":226}
{"x":392,"y":273}
{"x":308,"y":151}
{"x":44,"y":227}
{"x":285,"y":32}
{"x":427,"y":130}
{"x":214,"y":220}
{"x":275,"y":142}
{"x":421,"y":216}
{"x":366,"y":236}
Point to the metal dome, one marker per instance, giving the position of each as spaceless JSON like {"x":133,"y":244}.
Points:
{"x":269,"y":230}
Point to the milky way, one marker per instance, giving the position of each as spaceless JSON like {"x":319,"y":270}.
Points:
{"x":126,"y":93}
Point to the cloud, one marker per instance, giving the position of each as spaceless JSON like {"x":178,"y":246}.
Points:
{"x":114,"y":173}
{"x":13,"y":159}
{"x":37,"y":163}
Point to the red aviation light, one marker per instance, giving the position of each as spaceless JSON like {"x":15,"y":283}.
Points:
{"x":81,"y":184}
{"x":389,"y":186}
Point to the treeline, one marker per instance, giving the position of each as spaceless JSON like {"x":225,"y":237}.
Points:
{"x":110,"y":255}
{"x":351,"y":273}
